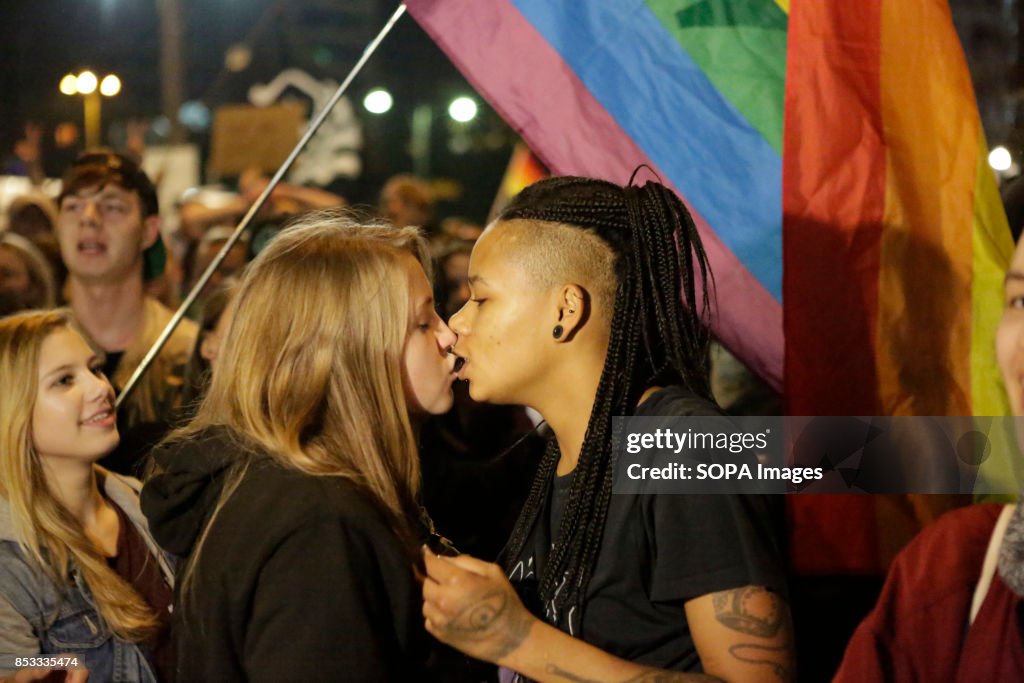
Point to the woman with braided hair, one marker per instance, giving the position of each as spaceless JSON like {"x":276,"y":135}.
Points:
{"x":588,"y":302}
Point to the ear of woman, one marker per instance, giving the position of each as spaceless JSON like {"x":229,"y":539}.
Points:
{"x":571,"y":312}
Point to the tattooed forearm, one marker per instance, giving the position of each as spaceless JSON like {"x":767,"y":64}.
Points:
{"x":651,"y":676}
{"x":772,"y":656}
{"x":672,"y":677}
{"x":568,"y":675}
{"x":752,"y":610}
{"x":492,"y":619}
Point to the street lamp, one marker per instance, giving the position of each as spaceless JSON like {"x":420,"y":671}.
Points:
{"x":462,"y":109}
{"x":378,"y":101}
{"x":91,"y":89}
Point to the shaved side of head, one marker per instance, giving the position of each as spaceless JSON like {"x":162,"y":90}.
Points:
{"x":554,"y":255}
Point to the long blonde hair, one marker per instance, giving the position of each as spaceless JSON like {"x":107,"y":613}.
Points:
{"x":49,"y":535}
{"x":310,"y":371}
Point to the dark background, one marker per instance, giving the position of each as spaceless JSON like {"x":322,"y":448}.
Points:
{"x":41,"y":40}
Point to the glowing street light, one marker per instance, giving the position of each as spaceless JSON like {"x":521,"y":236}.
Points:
{"x":1000,"y":159}
{"x":110,"y":85}
{"x":86,"y":84}
{"x":69,"y":85}
{"x":378,"y":101}
{"x":462,"y":109}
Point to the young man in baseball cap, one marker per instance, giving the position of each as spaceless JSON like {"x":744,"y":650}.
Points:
{"x":109,"y":234}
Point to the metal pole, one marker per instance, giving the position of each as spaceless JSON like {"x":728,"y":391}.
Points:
{"x":92,"y":119}
{"x":260,"y":201}
{"x":172,"y":65}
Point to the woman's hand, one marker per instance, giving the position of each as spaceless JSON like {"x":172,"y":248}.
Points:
{"x":470,"y":605}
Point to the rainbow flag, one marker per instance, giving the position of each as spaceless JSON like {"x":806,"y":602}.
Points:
{"x":895,"y":238}
{"x":598,"y":87}
{"x":833,"y":158}
{"x":896,"y":243}
{"x":523,"y":170}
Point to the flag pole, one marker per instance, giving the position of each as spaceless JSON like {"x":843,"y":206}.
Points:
{"x":254,"y":209}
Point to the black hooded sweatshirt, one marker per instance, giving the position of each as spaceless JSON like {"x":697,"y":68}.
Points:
{"x":300,"y":578}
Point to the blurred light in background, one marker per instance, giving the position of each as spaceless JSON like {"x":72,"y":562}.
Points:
{"x":378,"y":101}
{"x":86,"y":83}
{"x":462,"y":109}
{"x":238,"y":57}
{"x":161,"y":126}
{"x":195,"y":116}
{"x":69,"y":85}
{"x":1000,"y":159}
{"x":110,"y":85}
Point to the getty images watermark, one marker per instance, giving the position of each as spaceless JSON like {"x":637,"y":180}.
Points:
{"x":687,"y":455}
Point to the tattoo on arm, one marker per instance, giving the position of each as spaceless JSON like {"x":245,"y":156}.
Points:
{"x":745,"y":610}
{"x":735,"y":609}
{"x":651,"y":676}
{"x":490,"y":618}
{"x":755,"y":654}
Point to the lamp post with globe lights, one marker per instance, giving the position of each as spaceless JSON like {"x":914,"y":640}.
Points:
{"x":92,"y":91}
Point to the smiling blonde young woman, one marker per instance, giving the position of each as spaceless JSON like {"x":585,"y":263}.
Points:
{"x":79,"y":572}
{"x":292,"y":492}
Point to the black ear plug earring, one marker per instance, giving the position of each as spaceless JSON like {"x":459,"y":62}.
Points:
{"x":557,"y":332}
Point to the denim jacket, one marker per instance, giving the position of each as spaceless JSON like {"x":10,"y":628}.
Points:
{"x":37,"y":617}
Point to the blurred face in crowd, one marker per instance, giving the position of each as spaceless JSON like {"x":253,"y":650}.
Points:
{"x":73,"y":416}
{"x":1010,"y":335}
{"x":405,"y":201}
{"x":14,"y":275}
{"x":231,"y":265}
{"x":102,"y":234}
{"x":456,"y":280}
{"x":428,"y":368}
{"x":30,"y":221}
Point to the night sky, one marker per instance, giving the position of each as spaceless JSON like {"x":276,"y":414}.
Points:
{"x":41,"y":40}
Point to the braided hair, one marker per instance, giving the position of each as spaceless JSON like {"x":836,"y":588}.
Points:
{"x":654,"y":341}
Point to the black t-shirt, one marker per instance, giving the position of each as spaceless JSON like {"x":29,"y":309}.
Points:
{"x":658,"y":552}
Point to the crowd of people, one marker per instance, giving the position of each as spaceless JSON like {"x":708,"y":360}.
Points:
{"x":301,"y":488}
